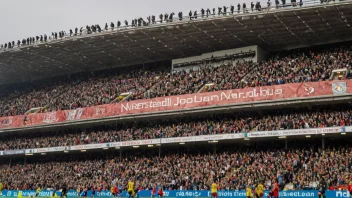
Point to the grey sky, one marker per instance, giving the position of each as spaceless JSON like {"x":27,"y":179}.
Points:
{"x":23,"y":18}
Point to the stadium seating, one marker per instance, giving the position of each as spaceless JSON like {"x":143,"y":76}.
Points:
{"x":232,"y":167}
{"x":219,"y":124}
{"x":106,"y":87}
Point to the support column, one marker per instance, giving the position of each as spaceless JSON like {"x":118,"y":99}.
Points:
{"x":10,"y":161}
{"x":285,"y":143}
{"x":159,"y":151}
{"x":323,"y":143}
{"x":120,"y":154}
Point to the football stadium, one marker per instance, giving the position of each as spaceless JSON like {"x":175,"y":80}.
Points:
{"x":239,"y":101}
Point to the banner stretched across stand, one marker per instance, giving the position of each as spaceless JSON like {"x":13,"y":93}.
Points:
{"x":180,"y":194}
{"x":184,"y":102}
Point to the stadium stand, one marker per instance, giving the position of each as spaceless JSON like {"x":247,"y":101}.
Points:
{"x":246,"y":122}
{"x":187,"y":169}
{"x":107,"y":87}
{"x":298,"y":161}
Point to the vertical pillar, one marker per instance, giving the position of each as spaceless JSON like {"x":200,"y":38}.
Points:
{"x":323,"y":143}
{"x":10,"y":160}
{"x":159,"y":151}
{"x":285,"y":143}
{"x":120,"y":154}
{"x":214,"y":148}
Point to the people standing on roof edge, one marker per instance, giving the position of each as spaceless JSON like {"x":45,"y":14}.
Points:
{"x":166,"y":17}
{"x":219,"y":11}
{"x":225,"y":10}
{"x":161,"y":18}
{"x":112,"y":26}
{"x":208,"y":12}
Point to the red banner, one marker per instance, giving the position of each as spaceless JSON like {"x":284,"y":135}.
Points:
{"x":188,"y":101}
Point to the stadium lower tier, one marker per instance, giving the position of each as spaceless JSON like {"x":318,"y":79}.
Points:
{"x":232,"y":166}
{"x":237,"y":122}
{"x":104,"y":87}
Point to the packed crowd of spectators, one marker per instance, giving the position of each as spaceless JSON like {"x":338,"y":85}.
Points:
{"x":152,"y":129}
{"x":297,"y":67}
{"x":231,"y":167}
{"x":106,"y":87}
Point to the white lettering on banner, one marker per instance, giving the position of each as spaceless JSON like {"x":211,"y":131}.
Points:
{"x":46,"y":194}
{"x":295,"y":132}
{"x":99,"y":110}
{"x":1,"y":153}
{"x":342,"y":194}
{"x":178,"y":139}
{"x":50,"y":118}
{"x":296,"y":194}
{"x":7,"y":121}
{"x":198,"y":98}
{"x":140,"y":142}
{"x":74,"y":114}
{"x":143,"y":105}
{"x":230,"y":193}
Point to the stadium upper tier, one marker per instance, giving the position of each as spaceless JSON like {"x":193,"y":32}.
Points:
{"x":318,"y":117}
{"x":315,"y":23}
{"x":232,"y":167}
{"x":107,"y":87}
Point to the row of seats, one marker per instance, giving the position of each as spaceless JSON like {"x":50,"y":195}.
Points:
{"x":317,"y":117}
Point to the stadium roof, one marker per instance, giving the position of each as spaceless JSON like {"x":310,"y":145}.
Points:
{"x":274,"y":29}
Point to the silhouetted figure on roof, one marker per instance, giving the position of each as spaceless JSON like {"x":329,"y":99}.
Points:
{"x":225,"y":10}
{"x":112,"y":26}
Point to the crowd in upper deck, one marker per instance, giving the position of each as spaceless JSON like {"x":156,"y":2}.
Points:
{"x":157,"y":81}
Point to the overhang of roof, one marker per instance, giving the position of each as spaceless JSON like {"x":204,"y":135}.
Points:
{"x":272,"y":30}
